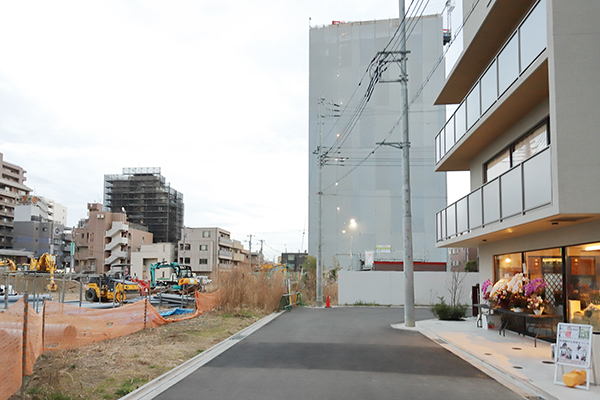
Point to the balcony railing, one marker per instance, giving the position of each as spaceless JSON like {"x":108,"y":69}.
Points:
{"x":523,"y":188}
{"x":524,"y":46}
{"x":225,"y":254}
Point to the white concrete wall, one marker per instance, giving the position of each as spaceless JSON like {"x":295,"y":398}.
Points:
{"x":387,"y":287}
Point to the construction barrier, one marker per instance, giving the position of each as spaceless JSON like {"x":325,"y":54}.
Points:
{"x":62,"y":326}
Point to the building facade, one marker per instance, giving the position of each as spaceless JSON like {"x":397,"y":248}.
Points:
{"x":208,"y":249}
{"x":41,"y":237}
{"x":105,"y":239}
{"x":148,"y":254}
{"x":362,"y":180}
{"x":12,"y":187}
{"x":293,"y":261}
{"x":148,"y":200}
{"x":526,"y":126}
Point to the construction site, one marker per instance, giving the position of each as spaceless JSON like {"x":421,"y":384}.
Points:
{"x":102,"y":336}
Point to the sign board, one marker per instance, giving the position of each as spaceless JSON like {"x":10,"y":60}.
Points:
{"x":383,"y":248}
{"x":369,"y":259}
{"x":72,"y":248}
{"x":574,"y":345}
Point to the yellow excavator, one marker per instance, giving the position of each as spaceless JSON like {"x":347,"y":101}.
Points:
{"x":10,"y":263}
{"x":44,"y":264}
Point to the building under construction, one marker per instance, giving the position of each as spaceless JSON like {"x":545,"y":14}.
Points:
{"x":148,"y":200}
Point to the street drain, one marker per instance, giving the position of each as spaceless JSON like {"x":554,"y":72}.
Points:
{"x":548,"y":362}
{"x":488,"y":354}
{"x":517,"y":348}
{"x":517,"y":367}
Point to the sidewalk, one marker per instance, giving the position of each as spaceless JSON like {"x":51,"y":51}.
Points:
{"x":512,"y":359}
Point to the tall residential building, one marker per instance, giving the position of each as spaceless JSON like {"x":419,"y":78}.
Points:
{"x":41,"y":237}
{"x":362,"y":181}
{"x":527,"y":129}
{"x":148,"y":200}
{"x":11,"y":188}
{"x":38,"y":208}
{"x":208,"y":249}
{"x":105,"y":239}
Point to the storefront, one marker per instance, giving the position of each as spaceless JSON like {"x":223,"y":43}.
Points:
{"x":571,"y":278}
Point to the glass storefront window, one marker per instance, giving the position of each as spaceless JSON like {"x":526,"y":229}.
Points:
{"x":583,"y":284}
{"x":507,"y":265}
{"x":547,"y":264}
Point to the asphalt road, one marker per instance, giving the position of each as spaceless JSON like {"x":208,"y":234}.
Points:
{"x":340,"y":353}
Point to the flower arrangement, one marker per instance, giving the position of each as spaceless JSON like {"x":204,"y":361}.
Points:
{"x":536,"y":303}
{"x":486,"y":289}
{"x":536,"y":287}
{"x":499,"y":294}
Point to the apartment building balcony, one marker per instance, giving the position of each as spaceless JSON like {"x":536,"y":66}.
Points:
{"x":116,"y":242}
{"x":239,"y":257}
{"x":224,"y":254}
{"x":117,"y":229}
{"x":493,"y":96}
{"x":116,"y":255}
{"x":518,"y":202}
{"x":225,"y":242}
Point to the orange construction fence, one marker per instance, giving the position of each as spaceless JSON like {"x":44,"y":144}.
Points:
{"x":63,"y":326}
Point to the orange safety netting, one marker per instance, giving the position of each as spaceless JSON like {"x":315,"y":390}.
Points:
{"x":64,"y":326}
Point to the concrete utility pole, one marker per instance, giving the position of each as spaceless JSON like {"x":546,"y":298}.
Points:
{"x":409,"y":289}
{"x":319,"y":299}
{"x":250,"y":250}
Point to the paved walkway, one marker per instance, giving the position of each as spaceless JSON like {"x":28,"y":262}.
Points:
{"x":340,"y":353}
{"x":512,"y":359}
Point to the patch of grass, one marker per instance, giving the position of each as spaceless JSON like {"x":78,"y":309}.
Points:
{"x":129,"y":386}
{"x":199,"y":351}
{"x":365,"y":304}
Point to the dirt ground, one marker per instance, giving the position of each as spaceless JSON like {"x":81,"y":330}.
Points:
{"x":112,"y":368}
{"x":115,"y":367}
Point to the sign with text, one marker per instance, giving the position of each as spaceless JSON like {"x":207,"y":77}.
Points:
{"x":383,"y":248}
{"x":574,"y":345}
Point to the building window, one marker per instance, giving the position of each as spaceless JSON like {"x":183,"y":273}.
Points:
{"x":291,"y":257}
{"x":203,"y":247}
{"x":521,"y":150}
{"x":508,"y":265}
{"x":203,"y":261}
{"x":186,"y":260}
{"x":583,"y":282}
{"x":206,"y":234}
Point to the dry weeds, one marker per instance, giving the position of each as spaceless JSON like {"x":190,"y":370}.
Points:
{"x":115,"y":367}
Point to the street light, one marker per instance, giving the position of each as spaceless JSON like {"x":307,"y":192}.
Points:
{"x":352,"y":229}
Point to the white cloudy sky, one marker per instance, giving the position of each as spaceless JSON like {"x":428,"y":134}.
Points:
{"x":215,"y":92}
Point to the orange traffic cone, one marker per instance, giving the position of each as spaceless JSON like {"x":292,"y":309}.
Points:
{"x":328,"y":305}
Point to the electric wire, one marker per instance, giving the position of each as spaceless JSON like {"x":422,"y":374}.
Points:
{"x":418,"y":93}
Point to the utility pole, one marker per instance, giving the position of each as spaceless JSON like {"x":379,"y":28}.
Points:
{"x":409,"y":284}
{"x":321,"y":112}
{"x":250,"y":250}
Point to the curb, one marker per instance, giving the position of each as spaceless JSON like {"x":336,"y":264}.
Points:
{"x":505,"y":378}
{"x":180,"y":372}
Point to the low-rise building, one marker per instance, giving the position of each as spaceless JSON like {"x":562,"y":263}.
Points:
{"x":148,"y":254}
{"x":208,"y":249}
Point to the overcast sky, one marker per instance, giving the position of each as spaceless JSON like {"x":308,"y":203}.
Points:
{"x":215,"y":92}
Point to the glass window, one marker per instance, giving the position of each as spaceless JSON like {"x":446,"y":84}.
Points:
{"x":583,"y":284}
{"x":291,"y":257}
{"x":508,"y":64}
{"x":203,"y":261}
{"x":206,"y":234}
{"x":530,"y":145}
{"x":547,"y":265}
{"x":507,"y":265}
{"x":497,"y":165}
{"x":203,"y":247}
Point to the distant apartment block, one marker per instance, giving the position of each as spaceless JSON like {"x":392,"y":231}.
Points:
{"x":41,"y":237}
{"x":208,"y":249}
{"x":105,"y":239}
{"x":293,"y":261}
{"x":149,"y":254}
{"x":11,"y":188}
{"x":148,"y":200}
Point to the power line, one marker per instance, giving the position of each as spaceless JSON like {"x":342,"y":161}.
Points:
{"x":418,"y":93}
